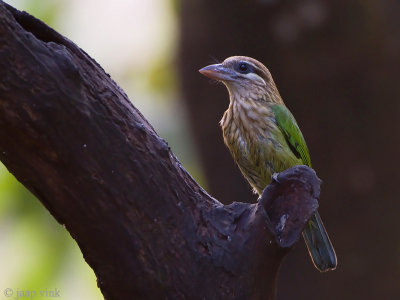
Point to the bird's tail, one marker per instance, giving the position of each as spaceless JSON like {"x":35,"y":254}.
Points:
{"x":319,"y":246}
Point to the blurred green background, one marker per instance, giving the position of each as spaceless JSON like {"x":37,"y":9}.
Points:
{"x":337,"y":66}
{"x":35,"y":251}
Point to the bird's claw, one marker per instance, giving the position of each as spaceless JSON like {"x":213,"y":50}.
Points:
{"x":275,"y":177}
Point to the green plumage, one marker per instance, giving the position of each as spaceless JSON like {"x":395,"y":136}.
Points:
{"x":280,"y":147}
{"x":264,"y":138}
{"x":293,"y":136}
{"x":315,"y":236}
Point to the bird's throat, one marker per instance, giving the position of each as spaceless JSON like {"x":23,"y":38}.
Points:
{"x":246,"y":119}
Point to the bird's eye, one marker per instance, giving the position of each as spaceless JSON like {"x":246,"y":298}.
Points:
{"x":243,"y":68}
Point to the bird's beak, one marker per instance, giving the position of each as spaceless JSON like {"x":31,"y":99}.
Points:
{"x":217,"y":72}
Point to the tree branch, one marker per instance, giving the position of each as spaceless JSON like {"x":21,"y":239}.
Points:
{"x":149,"y":231}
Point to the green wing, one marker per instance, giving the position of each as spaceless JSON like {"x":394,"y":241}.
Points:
{"x":319,"y":246}
{"x":294,"y":137}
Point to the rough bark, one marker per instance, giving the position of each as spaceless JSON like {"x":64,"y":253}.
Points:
{"x":337,"y":65}
{"x":148,"y":230}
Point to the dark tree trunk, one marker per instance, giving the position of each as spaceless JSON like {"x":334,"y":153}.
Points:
{"x":336,"y":64}
{"x":72,"y":137}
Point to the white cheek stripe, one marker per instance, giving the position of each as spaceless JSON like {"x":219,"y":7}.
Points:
{"x":254,"y":77}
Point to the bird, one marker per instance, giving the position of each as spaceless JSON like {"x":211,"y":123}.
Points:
{"x":264,"y":139}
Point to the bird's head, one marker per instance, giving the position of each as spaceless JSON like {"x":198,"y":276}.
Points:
{"x":245,"y":78}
